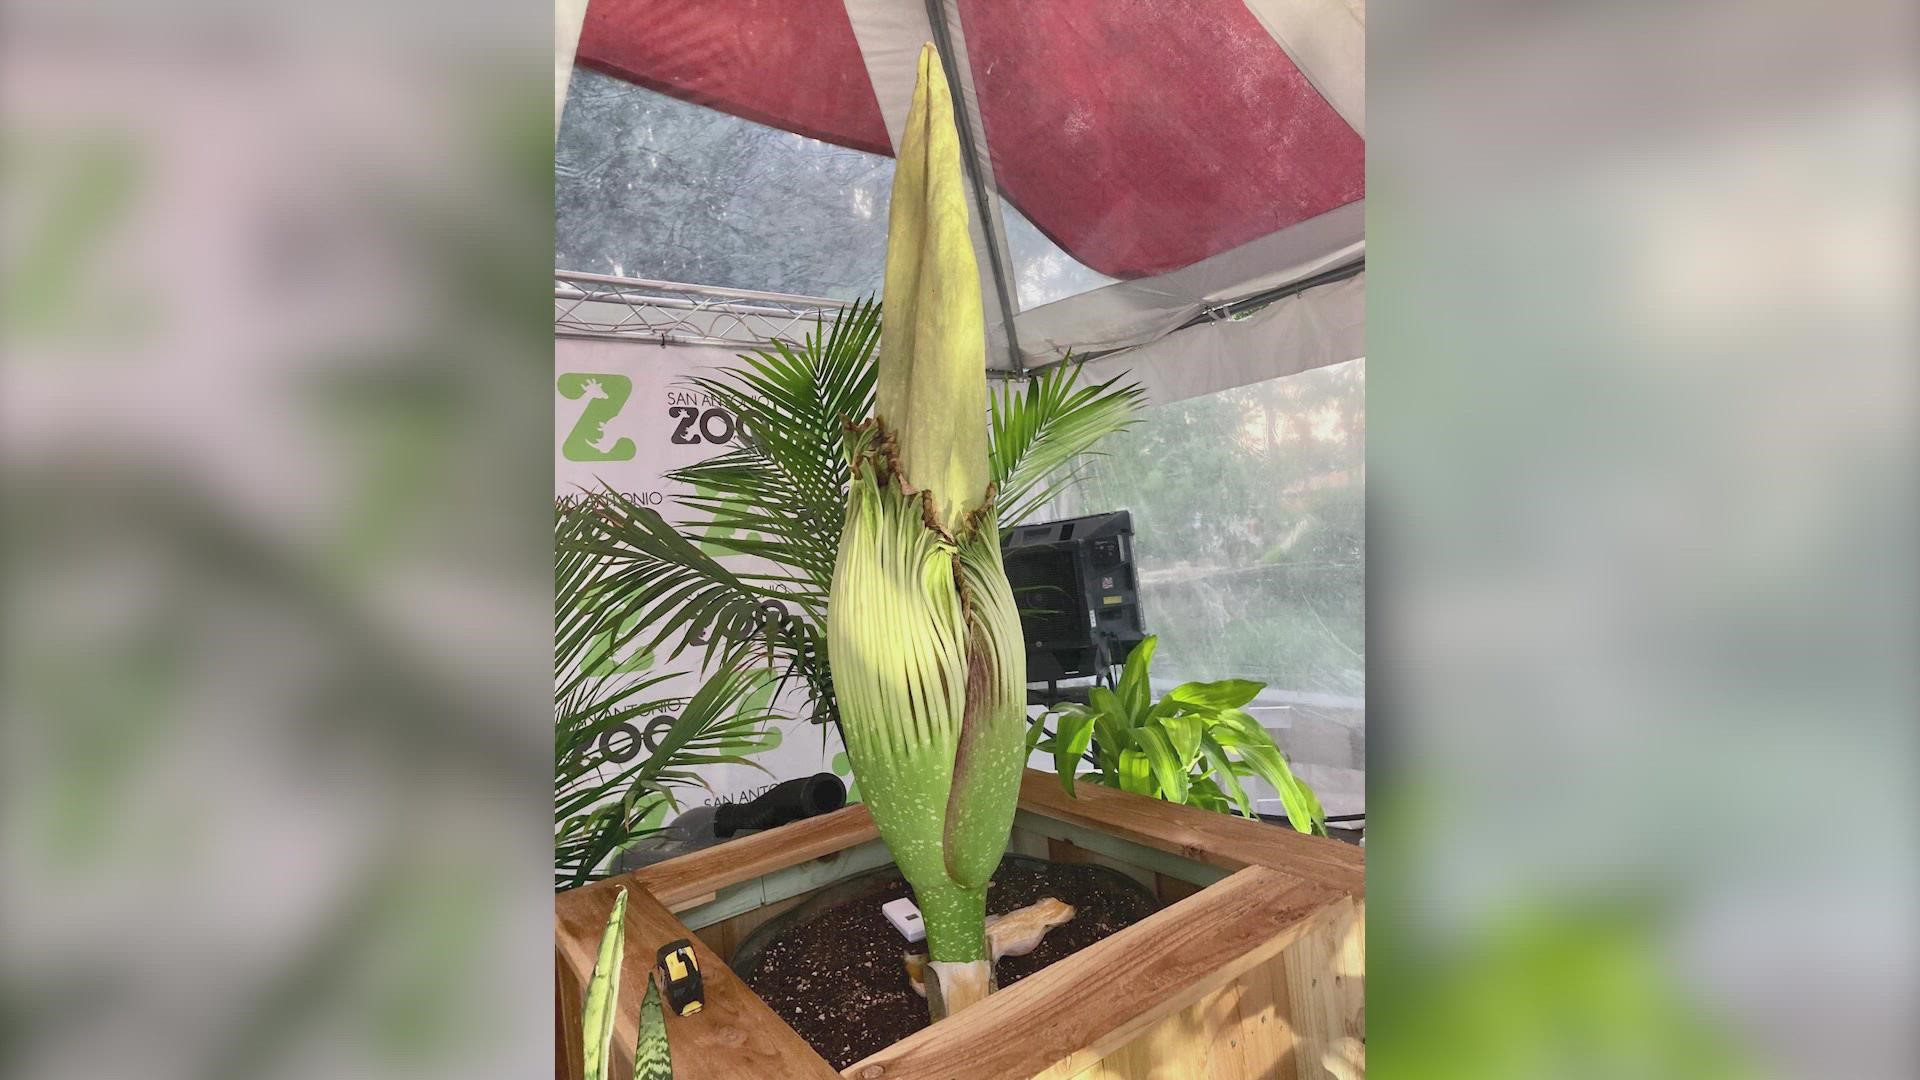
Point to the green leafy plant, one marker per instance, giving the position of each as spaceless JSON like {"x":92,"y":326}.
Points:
{"x":603,"y":993}
{"x":652,"y":1058}
{"x":1192,"y":746}
{"x":599,"y":604}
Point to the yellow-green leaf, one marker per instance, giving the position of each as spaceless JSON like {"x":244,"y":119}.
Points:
{"x":1135,"y":692}
{"x":1166,"y":767}
{"x":1070,"y":741}
{"x":1104,"y":701}
{"x":1222,"y":768}
{"x":1184,"y":733}
{"x":652,"y":1057}
{"x":932,"y":385}
{"x":603,"y":993}
{"x":1224,"y":694}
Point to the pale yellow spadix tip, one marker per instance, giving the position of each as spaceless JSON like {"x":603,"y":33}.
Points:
{"x":932,"y":383}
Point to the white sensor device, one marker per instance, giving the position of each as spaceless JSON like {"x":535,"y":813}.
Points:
{"x":905,"y":918}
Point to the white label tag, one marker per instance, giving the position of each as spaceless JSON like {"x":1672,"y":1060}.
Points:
{"x":905,"y":918}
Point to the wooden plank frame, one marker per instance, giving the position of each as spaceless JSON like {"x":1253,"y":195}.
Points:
{"x":1256,"y":974}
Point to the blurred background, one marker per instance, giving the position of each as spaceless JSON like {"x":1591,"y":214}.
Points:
{"x":274,"y":770}
{"x":274,"y":483}
{"x":1642,"y":393}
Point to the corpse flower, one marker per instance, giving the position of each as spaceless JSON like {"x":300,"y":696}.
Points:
{"x":922,"y":631}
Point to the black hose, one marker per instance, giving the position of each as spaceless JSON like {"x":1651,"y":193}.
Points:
{"x":787,"y":801}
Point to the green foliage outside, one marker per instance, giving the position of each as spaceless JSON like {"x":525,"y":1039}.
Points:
{"x":1249,"y":516}
{"x":1546,"y":988}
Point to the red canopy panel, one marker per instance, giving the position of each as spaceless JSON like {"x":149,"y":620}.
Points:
{"x":790,"y":64}
{"x":1142,"y":138}
{"x":1139,"y":137}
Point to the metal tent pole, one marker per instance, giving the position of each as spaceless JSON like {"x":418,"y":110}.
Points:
{"x":979,"y":174}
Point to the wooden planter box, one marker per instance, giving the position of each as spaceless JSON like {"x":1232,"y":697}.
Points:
{"x":1252,"y":970}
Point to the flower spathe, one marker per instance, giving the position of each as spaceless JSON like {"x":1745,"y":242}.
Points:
{"x":922,"y":632}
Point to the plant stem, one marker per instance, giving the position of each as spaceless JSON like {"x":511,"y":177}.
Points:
{"x":956,"y":921}
{"x":959,"y":972}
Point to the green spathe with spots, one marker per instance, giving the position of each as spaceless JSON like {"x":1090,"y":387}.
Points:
{"x":922,"y":632}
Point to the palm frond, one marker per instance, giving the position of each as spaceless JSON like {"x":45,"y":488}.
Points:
{"x":600,"y":807}
{"x":604,"y":807}
{"x":628,"y":581}
{"x":781,"y":495}
{"x":660,"y":587}
{"x":1038,"y":431}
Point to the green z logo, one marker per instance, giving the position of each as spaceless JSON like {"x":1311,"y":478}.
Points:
{"x":606,"y":395}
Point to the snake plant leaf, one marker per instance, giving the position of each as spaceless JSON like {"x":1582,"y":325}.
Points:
{"x":603,"y":994}
{"x":932,"y":387}
{"x":652,"y":1057}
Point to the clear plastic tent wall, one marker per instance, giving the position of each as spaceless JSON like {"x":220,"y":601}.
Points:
{"x":1180,"y":179}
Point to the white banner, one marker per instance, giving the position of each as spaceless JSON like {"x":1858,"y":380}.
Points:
{"x":623,"y":418}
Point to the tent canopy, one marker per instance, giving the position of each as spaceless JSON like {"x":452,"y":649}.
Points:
{"x":1143,"y":174}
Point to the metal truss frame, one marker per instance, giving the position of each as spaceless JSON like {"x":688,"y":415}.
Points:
{"x":666,"y":312}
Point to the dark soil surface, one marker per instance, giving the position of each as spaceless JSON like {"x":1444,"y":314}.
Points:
{"x":839,"y":981}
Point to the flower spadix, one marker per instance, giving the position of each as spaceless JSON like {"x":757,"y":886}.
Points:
{"x":924,"y":639}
